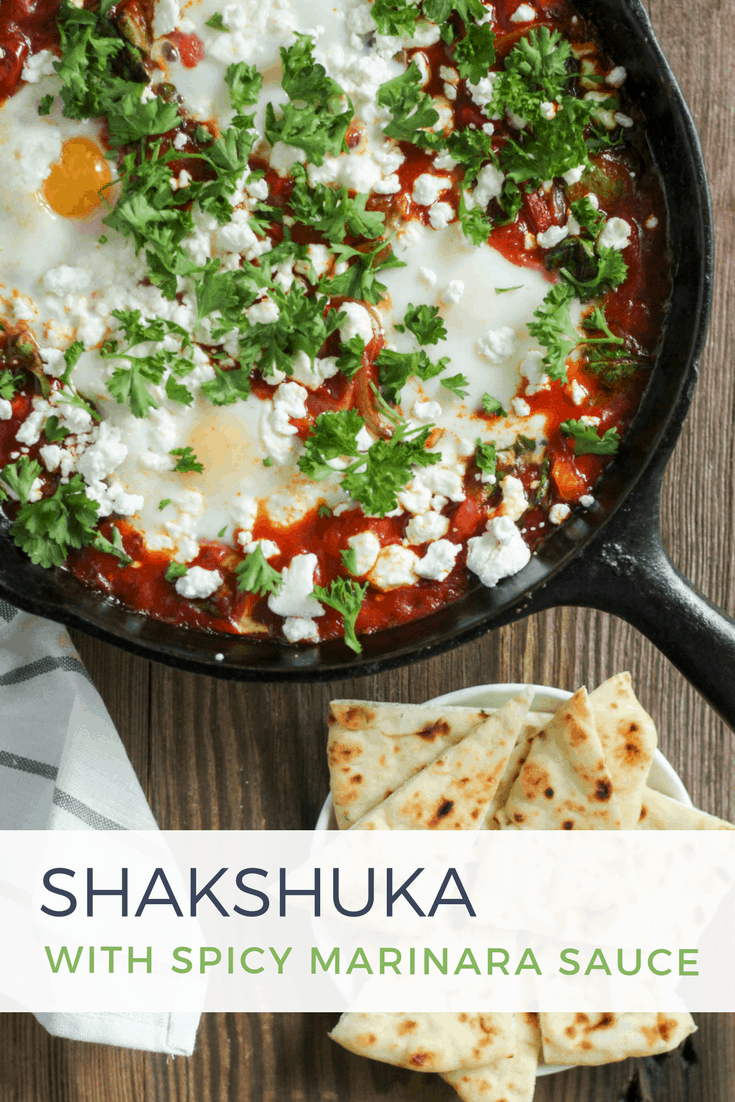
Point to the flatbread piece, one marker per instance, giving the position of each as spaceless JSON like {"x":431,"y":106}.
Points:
{"x":509,"y":1080}
{"x":606,"y":1038}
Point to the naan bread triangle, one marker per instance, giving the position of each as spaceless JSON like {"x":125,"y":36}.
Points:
{"x":428,"y":1042}
{"x":374,"y":748}
{"x":457,"y":790}
{"x":564,"y":783}
{"x":605,"y":1038}
{"x":509,"y":1080}
{"x":628,"y":738}
{"x":659,"y":812}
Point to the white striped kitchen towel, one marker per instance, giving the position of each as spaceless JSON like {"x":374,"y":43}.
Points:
{"x":63,"y":767}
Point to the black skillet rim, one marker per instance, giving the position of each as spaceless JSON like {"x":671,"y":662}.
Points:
{"x":625,"y":25}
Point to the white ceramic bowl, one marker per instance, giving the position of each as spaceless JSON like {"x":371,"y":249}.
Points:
{"x":663,"y":777}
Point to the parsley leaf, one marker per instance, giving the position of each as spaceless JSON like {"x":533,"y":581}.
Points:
{"x":492,"y":406}
{"x":186,"y":461}
{"x":396,"y":17}
{"x":175,"y":570}
{"x":227,"y":387}
{"x":349,"y":560}
{"x":485,"y":458}
{"x":53,"y":431}
{"x":588,"y":442}
{"x":553,"y":328}
{"x":254,"y":575}
{"x":345,"y":597}
{"x":360,"y":281}
{"x":20,"y":476}
{"x":413,"y":110}
{"x":457,"y":384}
{"x":396,"y":368}
{"x":318,"y":113}
{"x":439,"y":11}
{"x":10,"y":384}
{"x":244,"y":82}
{"x":475,"y":53}
{"x":45,"y":104}
{"x":332,"y":211}
{"x":216,"y":22}
{"x":114,"y":546}
{"x":351,"y":359}
{"x":475,"y":224}
{"x":48,"y":529}
{"x":71,"y":359}
{"x":163,"y":503}
{"x":332,"y":436}
{"x":425,"y":324}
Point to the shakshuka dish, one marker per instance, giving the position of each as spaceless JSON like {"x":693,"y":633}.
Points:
{"x":314,"y":316}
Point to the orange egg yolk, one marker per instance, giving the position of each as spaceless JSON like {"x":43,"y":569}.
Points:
{"x":72,"y":188}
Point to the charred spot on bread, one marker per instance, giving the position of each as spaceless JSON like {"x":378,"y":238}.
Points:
{"x":603,"y":790}
{"x":430,"y":732}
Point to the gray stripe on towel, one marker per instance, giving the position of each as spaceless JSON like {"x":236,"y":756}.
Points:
{"x":43,"y":665}
{"x":28,"y":765}
{"x":81,"y":811}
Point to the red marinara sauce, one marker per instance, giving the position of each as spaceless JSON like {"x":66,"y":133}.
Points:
{"x":627,"y":186}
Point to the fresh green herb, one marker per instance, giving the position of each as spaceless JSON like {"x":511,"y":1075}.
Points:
{"x":553,"y":328}
{"x":332,"y":211}
{"x":543,"y":483}
{"x":244,"y":82}
{"x":45,"y":105}
{"x":524,"y":444}
{"x":72,"y":398}
{"x":351,"y":359}
{"x":71,"y":359}
{"x":268,"y":462}
{"x":588,"y":442}
{"x":175,"y":570}
{"x":324,"y":511}
{"x":163,"y":503}
{"x":439,"y":11}
{"x":396,"y":368}
{"x":318,"y":113}
{"x":227,"y":387}
{"x":376,"y":476}
{"x":114,"y":546}
{"x":20,"y":476}
{"x":457,"y":384}
{"x":475,"y":224}
{"x":486,"y":459}
{"x":221,"y":533}
{"x":475,"y":53}
{"x":345,"y":597}
{"x":396,"y":17}
{"x":216,"y":22}
{"x":412,"y":109}
{"x":425,"y":324}
{"x":186,"y":461}
{"x":360,"y":281}
{"x":10,"y":384}
{"x":48,"y":529}
{"x":504,"y":290}
{"x":349,"y":560}
{"x":53,"y":431}
{"x":492,"y":406}
{"x":254,"y":575}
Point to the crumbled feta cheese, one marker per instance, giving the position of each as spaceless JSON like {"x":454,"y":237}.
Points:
{"x":651,"y":222}
{"x":498,"y":344}
{"x":616,"y":76}
{"x":427,"y":276}
{"x":445,"y":161}
{"x":284,"y":157}
{"x":521,"y":407}
{"x":615,"y":234}
{"x":498,"y":553}
{"x":180,"y":140}
{"x":428,"y":188}
{"x":66,"y":280}
{"x":103,"y":456}
{"x":358,"y":323}
{"x":426,"y":411}
{"x":394,"y":568}
{"x":366,"y":546}
{"x":532,"y":367}
{"x":552,"y":236}
{"x":623,"y":120}
{"x":589,"y":421}
{"x":440,"y":215}
{"x":389,"y":185}
{"x":438,"y":562}
{"x":313,"y":375}
{"x":264,"y":311}
{"x":295,"y":596}
{"x":586,"y":501}
{"x":54,"y":363}
{"x":38,"y":66}
{"x":198,"y":582}
{"x":6,"y":409}
{"x":427,"y":527}
{"x":574,"y":175}
{"x":300,"y":629}
{"x":515,"y":501}
{"x":276,"y":429}
{"x":578,"y":392}
{"x":482,"y":92}
{"x":524,"y":13}
{"x":559,"y":513}
{"x":453,"y":292}
{"x":489,"y":186}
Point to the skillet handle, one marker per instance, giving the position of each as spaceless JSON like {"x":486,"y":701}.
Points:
{"x":626,"y":571}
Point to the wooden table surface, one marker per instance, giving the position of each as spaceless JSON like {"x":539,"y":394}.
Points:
{"x":213,"y":755}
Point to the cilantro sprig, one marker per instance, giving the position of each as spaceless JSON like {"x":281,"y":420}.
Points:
{"x":344,"y":596}
{"x":254,"y":575}
{"x":412,"y":109}
{"x":587,"y":440}
{"x":47,"y":530}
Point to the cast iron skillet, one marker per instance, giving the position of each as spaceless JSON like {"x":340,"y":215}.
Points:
{"x":609,"y":557}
